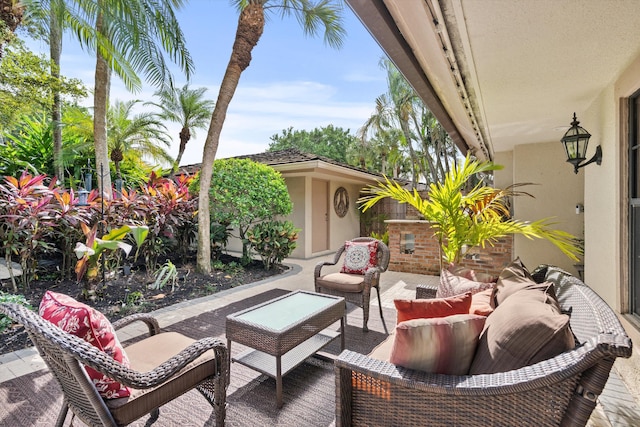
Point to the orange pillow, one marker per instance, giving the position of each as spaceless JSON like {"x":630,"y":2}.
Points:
{"x":481,"y":303}
{"x":409,"y":309}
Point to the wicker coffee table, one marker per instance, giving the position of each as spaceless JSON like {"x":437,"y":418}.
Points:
{"x":284,"y":331}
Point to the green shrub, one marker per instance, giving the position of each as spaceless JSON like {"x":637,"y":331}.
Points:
{"x":167,"y":273}
{"x":243,"y":193}
{"x":5,"y":322}
{"x":273,"y":241}
{"x":384,"y":237}
{"x":219,"y":234}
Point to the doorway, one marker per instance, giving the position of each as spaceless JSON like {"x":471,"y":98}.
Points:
{"x":319,"y":215}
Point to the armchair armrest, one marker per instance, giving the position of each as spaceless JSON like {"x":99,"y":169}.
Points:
{"x":426,"y":291}
{"x":150,"y":321}
{"x":336,"y":258}
{"x":105,"y":364}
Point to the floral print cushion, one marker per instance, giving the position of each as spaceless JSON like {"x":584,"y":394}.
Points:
{"x":92,"y":326}
{"x":359,"y":257}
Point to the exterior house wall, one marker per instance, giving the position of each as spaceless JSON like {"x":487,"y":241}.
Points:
{"x":602,"y":200}
{"x":340,"y":229}
{"x":504,"y":177}
{"x":556,"y":192}
{"x":347,"y":227}
{"x":424,"y":259}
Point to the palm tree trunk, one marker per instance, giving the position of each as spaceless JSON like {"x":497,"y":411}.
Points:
{"x":404,"y":125}
{"x":185,"y":136}
{"x":100,"y":106}
{"x":250,"y":28}
{"x":55,"y":49}
{"x":425,"y":142}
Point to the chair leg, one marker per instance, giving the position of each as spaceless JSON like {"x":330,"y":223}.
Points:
{"x":365,"y":309}
{"x":63,"y":413}
{"x":380,"y":308}
{"x":155,"y":414}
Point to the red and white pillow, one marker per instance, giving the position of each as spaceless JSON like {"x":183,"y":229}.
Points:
{"x":359,"y":257}
{"x":92,"y":326}
{"x":451,"y":285}
{"x":441,"y":345}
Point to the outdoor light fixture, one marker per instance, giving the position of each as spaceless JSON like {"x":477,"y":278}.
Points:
{"x":575,"y":143}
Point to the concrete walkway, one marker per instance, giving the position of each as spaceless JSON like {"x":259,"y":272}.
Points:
{"x":617,"y":407}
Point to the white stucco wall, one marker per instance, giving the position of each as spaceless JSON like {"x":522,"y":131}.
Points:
{"x":503,"y":177}
{"x":347,"y":227}
{"x":602,"y":200}
{"x":556,"y":192}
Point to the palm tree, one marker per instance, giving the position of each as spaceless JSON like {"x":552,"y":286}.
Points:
{"x":401,"y":109}
{"x":126,"y":40}
{"x":135,"y":136}
{"x":473,"y":218}
{"x":312,"y":15}
{"x":186,"y":107}
{"x":11,"y":12}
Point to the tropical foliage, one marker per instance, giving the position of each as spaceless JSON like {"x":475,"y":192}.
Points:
{"x":329,"y":141}
{"x":243,"y":193}
{"x":138,"y":38}
{"x":90,"y":253}
{"x":33,"y":216}
{"x":188,"y":108}
{"x":135,"y":136}
{"x":273,"y":241}
{"x":315,"y":17}
{"x":401,"y":123}
{"x":38,"y":217}
{"x":465,"y":219}
{"x":26,"y":87}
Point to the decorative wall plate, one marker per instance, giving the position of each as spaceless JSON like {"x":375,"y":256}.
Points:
{"x":341,"y":202}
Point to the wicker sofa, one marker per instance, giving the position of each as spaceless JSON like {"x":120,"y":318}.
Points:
{"x":558,"y":391}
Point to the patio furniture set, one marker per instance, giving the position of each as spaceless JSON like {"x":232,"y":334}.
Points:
{"x":283,"y":332}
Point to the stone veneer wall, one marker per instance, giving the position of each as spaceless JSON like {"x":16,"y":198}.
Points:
{"x":424,"y":259}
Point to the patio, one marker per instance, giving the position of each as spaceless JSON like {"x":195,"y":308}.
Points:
{"x":308,"y":390}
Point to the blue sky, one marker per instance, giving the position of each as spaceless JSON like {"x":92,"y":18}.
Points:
{"x":293,"y":80}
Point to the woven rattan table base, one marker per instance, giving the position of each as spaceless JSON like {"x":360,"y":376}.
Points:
{"x":277,"y":352}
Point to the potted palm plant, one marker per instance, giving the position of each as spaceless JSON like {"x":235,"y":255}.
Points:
{"x":465,"y":219}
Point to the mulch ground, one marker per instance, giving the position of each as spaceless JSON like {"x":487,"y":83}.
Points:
{"x":122,"y":295}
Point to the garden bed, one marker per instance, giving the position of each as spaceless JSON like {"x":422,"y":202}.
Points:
{"x":127,"y":294}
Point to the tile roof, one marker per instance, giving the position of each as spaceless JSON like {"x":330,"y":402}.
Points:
{"x":283,"y":157}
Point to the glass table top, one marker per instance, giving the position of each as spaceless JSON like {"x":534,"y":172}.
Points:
{"x":279,"y":314}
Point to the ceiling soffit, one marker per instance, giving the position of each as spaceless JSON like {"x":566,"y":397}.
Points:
{"x":382,"y":26}
{"x":433,"y":36}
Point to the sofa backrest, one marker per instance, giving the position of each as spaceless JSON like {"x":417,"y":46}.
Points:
{"x":590,"y":315}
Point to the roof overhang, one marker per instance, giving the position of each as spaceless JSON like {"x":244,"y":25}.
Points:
{"x":323,"y":170}
{"x":501,"y":73}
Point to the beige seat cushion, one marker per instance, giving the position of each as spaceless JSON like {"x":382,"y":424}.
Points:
{"x":342,"y":281}
{"x":146,"y":355}
{"x":383,"y":350}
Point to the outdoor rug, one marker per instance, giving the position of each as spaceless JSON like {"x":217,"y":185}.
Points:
{"x":308,"y":390}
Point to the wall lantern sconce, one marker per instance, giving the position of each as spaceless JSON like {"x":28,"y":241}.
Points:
{"x":575,"y":143}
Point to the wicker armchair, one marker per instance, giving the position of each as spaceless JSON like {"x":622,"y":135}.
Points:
{"x":163,"y":367}
{"x":354,"y":288}
{"x":561,"y":391}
